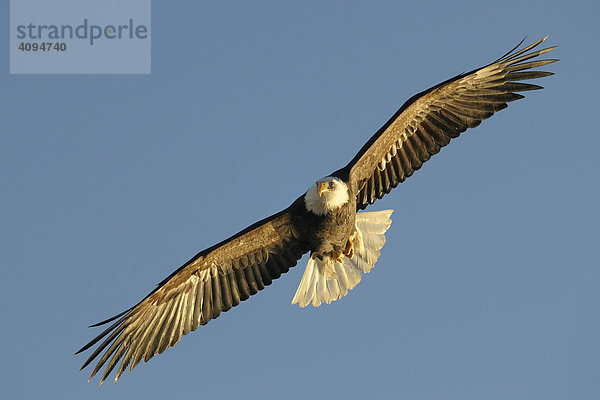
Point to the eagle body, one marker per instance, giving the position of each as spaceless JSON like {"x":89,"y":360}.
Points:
{"x":325,"y":221}
{"x":327,"y":229}
{"x":328,"y":233}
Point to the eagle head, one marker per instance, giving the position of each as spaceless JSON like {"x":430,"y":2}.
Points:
{"x":326,"y":195}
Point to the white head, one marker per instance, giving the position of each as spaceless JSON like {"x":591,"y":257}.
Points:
{"x":326,"y":195}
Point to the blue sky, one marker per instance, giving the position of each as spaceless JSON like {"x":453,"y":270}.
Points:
{"x":487,"y":286}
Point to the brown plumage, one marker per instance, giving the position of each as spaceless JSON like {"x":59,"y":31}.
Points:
{"x":220,"y":277}
{"x":210,"y":283}
{"x":429,"y":120}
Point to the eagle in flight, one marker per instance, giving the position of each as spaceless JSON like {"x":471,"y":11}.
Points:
{"x":325,"y":221}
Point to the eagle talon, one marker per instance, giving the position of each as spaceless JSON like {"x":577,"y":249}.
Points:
{"x":337,"y":256}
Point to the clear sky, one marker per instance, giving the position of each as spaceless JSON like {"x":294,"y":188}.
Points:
{"x":487,"y":287}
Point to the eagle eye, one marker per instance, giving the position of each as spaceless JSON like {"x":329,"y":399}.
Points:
{"x":331,"y":184}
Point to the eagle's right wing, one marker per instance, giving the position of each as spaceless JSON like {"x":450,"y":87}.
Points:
{"x":212,"y":282}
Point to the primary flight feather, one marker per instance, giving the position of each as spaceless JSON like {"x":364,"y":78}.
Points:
{"x":343,"y":243}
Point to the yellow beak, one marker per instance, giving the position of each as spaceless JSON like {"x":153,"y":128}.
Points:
{"x":322,"y":188}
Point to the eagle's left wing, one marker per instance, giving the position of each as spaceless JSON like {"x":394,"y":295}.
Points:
{"x":427,"y":121}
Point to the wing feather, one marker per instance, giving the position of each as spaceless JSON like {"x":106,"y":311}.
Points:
{"x":429,"y":120}
{"x":212,"y":282}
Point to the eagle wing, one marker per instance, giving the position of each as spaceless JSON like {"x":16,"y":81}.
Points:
{"x":212,"y":282}
{"x":429,"y":120}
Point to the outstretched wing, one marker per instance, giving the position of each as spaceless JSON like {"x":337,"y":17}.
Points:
{"x":210,"y":283}
{"x":427,"y":121}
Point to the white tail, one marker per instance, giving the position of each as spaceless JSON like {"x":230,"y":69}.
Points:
{"x":326,"y":280}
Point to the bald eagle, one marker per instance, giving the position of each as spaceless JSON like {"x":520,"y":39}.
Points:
{"x":325,"y":221}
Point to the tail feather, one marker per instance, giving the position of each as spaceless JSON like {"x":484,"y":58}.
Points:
{"x":374,"y":241}
{"x":345,"y":279}
{"x":362,"y":265}
{"x":326,"y":280}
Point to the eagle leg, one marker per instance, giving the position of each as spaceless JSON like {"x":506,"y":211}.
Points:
{"x":349,"y":250}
